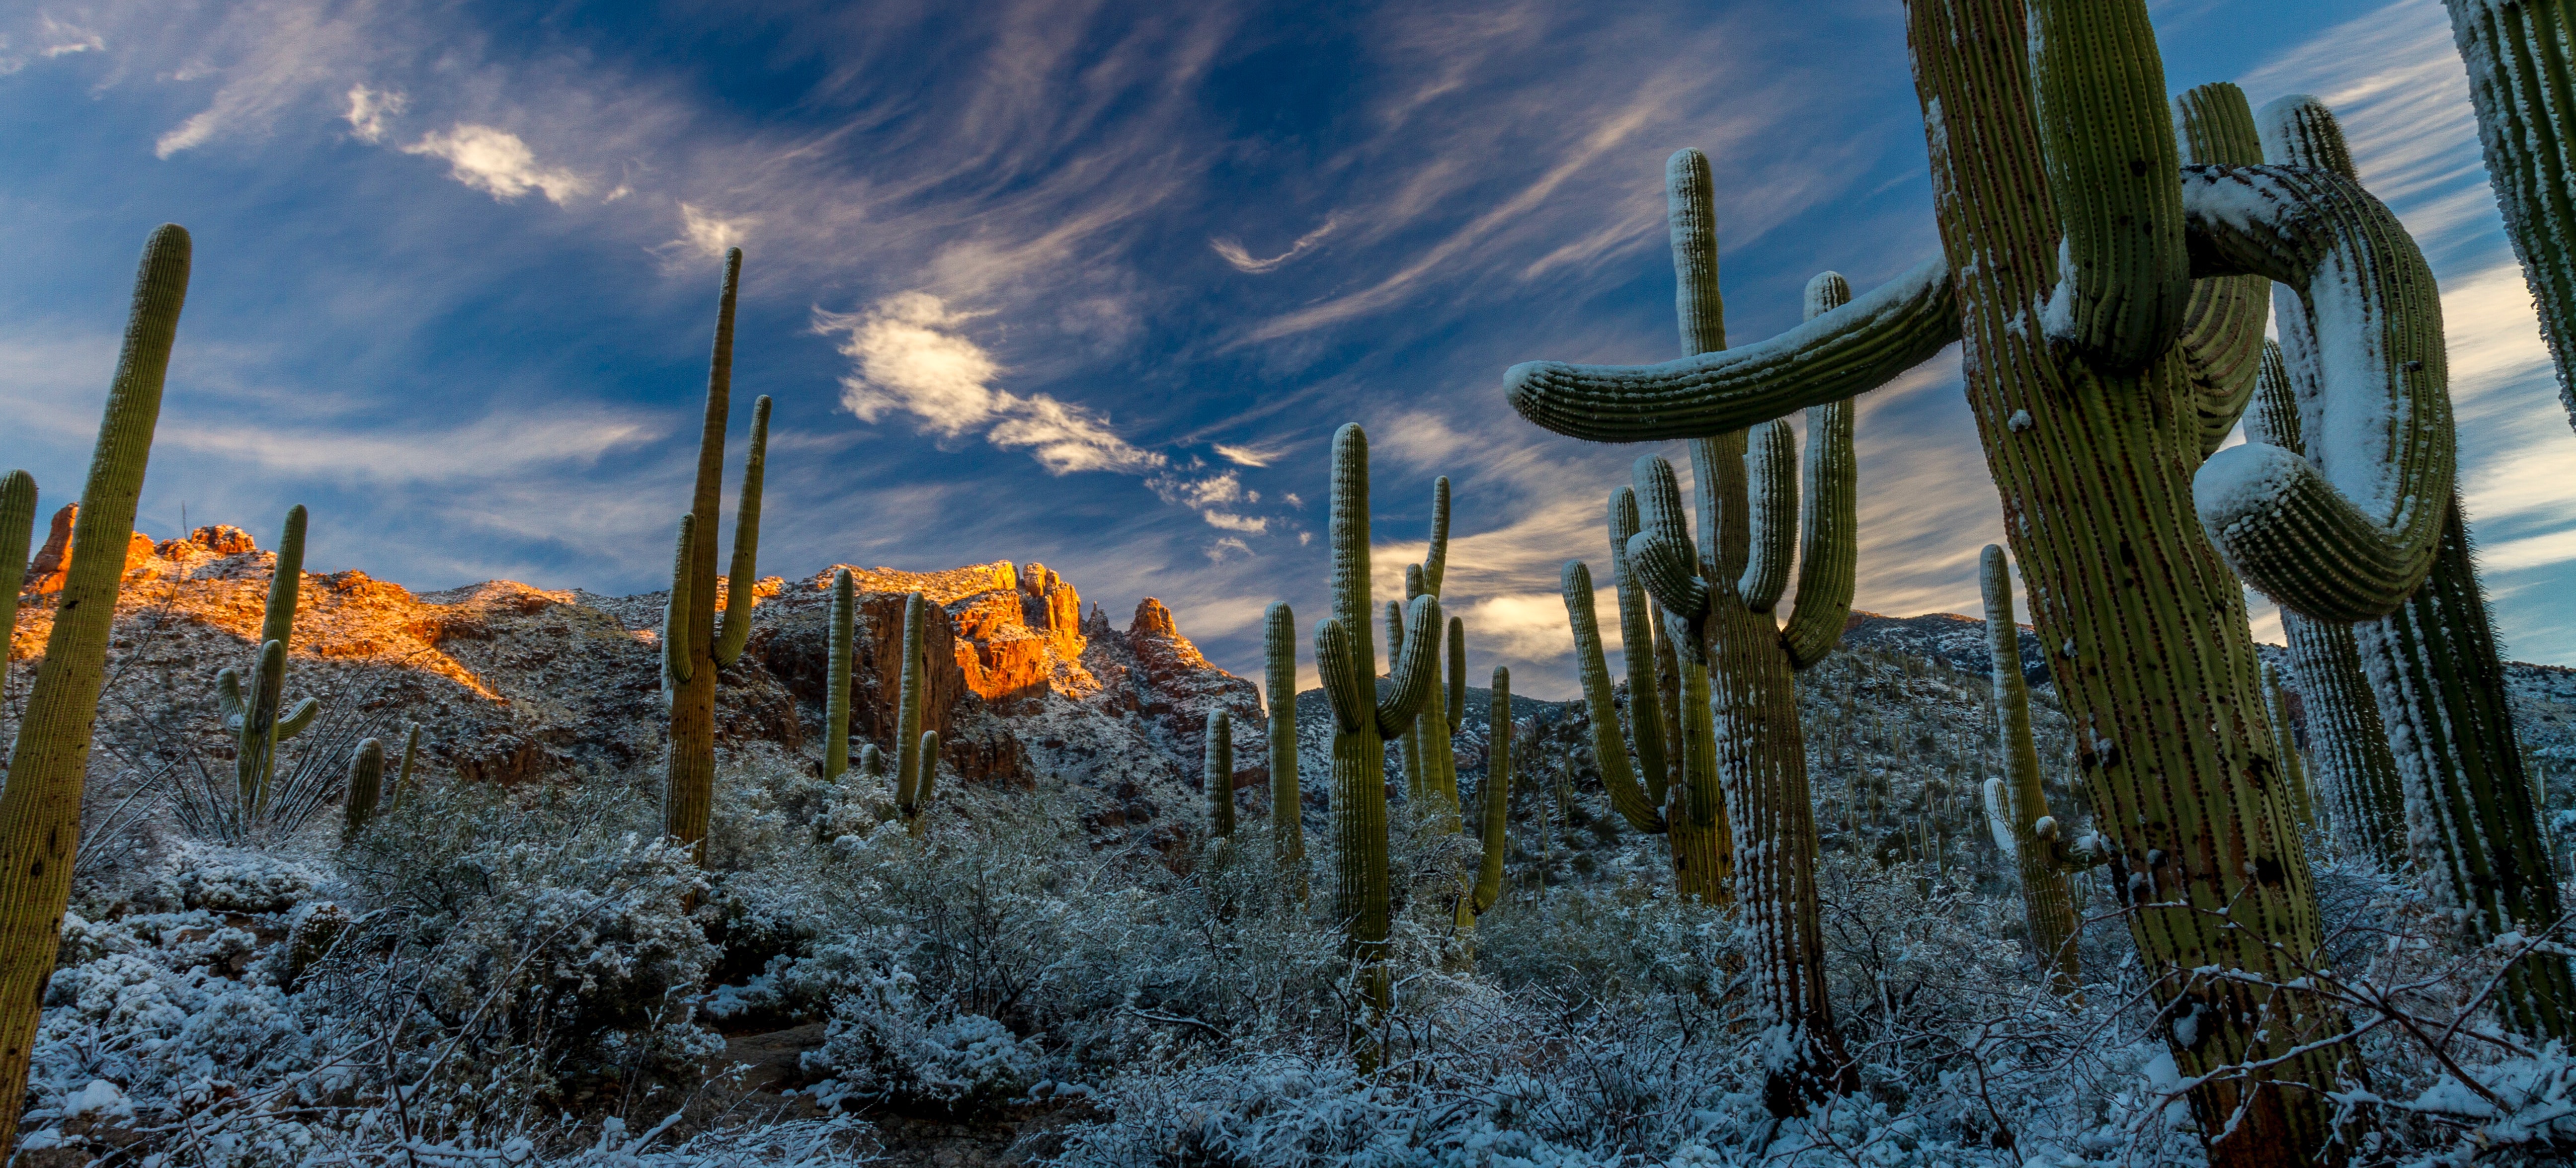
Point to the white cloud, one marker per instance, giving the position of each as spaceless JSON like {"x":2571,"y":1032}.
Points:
{"x":1255,"y":456}
{"x":491,"y":159}
{"x":497,"y":446}
{"x":1244,"y":261}
{"x":704,"y":232}
{"x":1222,"y":549}
{"x":63,"y":40}
{"x":1248,"y":524}
{"x":368,"y":109}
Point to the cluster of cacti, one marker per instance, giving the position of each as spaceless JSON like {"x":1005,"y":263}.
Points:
{"x":2074,"y":242}
{"x":1365,"y":715}
{"x":255,"y":717}
{"x":694,"y":645}
{"x":2395,"y":563}
{"x":2016,"y":800}
{"x":40,"y":809}
{"x":1279,"y":688}
{"x":1218,"y":774}
{"x":2521,"y":58}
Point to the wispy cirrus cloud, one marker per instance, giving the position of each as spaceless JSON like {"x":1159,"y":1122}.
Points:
{"x":497,"y":162}
{"x":1232,"y":252}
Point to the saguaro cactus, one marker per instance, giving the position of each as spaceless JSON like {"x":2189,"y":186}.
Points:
{"x":17,"y":527}
{"x":1364,"y":717}
{"x":836,"y":697}
{"x":2426,"y":643}
{"x":366,"y":785}
{"x":1218,"y":773}
{"x":912,"y":797}
{"x":402,"y":774}
{"x":2346,"y":741}
{"x":1430,"y":748}
{"x":2044,"y":860}
{"x":2294,"y":774}
{"x":2521,"y":57}
{"x":256,"y":718}
{"x":2054,"y":177}
{"x":1279,"y":686}
{"x":695,"y":647}
{"x":1493,"y":803}
{"x":41,"y":806}
{"x":913,"y":750}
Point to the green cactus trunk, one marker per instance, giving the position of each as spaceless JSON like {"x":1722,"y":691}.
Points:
{"x":699,"y":646}
{"x":2048,"y":900}
{"x":40,"y":809}
{"x":2521,"y":57}
{"x":366,"y":786}
{"x":837,"y":679}
{"x":17,"y":527}
{"x":917,"y":802}
{"x":1493,"y":818}
{"x":1217,"y":775}
{"x":259,"y":718}
{"x":402,"y":775}
{"x":915,"y":762}
{"x":1287,"y":804}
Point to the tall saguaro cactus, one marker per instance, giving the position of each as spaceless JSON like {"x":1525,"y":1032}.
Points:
{"x":17,"y":527}
{"x":1493,"y":802}
{"x":2068,"y":236}
{"x":1279,"y":686}
{"x":2044,"y":860}
{"x":2521,"y":57}
{"x":41,"y":806}
{"x":1217,"y":773}
{"x":255,"y":717}
{"x":2346,"y":741}
{"x":695,"y":646}
{"x":836,"y":673}
{"x":2425,"y":641}
{"x":916,"y":751}
{"x":1364,"y":717}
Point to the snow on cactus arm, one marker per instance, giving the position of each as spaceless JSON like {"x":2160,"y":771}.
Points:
{"x":2348,"y":537}
{"x":2122,"y":279}
{"x":1851,"y":350}
{"x":2222,"y":331}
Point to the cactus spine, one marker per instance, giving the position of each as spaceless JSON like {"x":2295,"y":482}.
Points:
{"x":2471,"y":811}
{"x":366,"y":785}
{"x":256,"y":718}
{"x":41,"y":807}
{"x":2026,"y":827}
{"x":1363,"y":717}
{"x":1279,"y":685}
{"x":2346,"y":741}
{"x":2523,"y":83}
{"x":1218,"y":773}
{"x":2095,"y":473}
{"x":17,"y":527}
{"x":836,"y":674}
{"x":695,"y":646}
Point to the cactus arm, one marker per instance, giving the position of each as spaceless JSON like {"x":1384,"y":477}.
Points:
{"x":1217,"y":774}
{"x":1667,"y":563}
{"x":1349,"y":531}
{"x":277,"y":622}
{"x":17,"y":527}
{"x":910,"y":763}
{"x":1771,"y":468}
{"x":1494,"y":796}
{"x":707,"y":500}
{"x":676,"y":658}
{"x":41,"y":806}
{"x":836,"y":677}
{"x":2523,"y":85}
{"x":255,"y":759}
{"x":1457,"y":675}
{"x":366,"y":784}
{"x":228,"y":698}
{"x":1637,"y":638}
{"x":2349,"y":531}
{"x":1724,"y":504}
{"x":2107,"y":148}
{"x":2048,"y":904}
{"x":2222,"y":331}
{"x":1666,"y":712}
{"x":1344,"y":689}
{"x":1829,"y":543}
{"x":1408,"y":749}
{"x":295,"y":720}
{"x":1287,"y":804}
{"x":740,"y":582}
{"x":1690,"y":213}
{"x":1853,"y":349}
{"x":1416,"y":669}
{"x":917,"y":810}
{"x":1435,"y":561}
{"x":1608,"y":752}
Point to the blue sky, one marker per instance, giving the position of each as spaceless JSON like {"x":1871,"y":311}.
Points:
{"x":1084,"y":284}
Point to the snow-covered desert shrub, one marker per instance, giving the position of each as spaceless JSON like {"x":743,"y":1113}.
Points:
{"x":222,"y":878}
{"x":885,"y":1042}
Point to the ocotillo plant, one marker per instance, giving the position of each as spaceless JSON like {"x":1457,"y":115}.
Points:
{"x":2424,"y":639}
{"x":40,"y":809}
{"x":1364,"y":717}
{"x":1218,"y":773}
{"x":366,"y":785}
{"x":695,"y":647}
{"x":1279,"y":687}
{"x":17,"y":527}
{"x":2522,"y":81}
{"x":836,"y":678}
{"x":2028,"y":830}
{"x":255,"y":717}
{"x":2346,"y":742}
{"x":2071,"y":238}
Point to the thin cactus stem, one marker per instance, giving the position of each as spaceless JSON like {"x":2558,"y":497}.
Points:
{"x":2048,"y":900}
{"x":837,"y":678}
{"x":17,"y":528}
{"x":41,"y":806}
{"x":1287,"y":803}
{"x":402,"y":776}
{"x":1638,"y":633}
{"x":1218,"y":773}
{"x":912,"y":764}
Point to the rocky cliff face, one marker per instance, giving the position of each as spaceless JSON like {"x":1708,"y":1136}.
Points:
{"x":514,"y":683}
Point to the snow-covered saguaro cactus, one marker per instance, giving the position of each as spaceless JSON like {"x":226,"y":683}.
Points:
{"x":256,"y":717}
{"x":836,"y":676}
{"x":2522,"y":81}
{"x":2072,"y":238}
{"x":366,"y":784}
{"x":695,"y":646}
{"x":1279,"y":688}
{"x":2019,"y":802}
{"x":17,"y":527}
{"x":2347,"y":745}
{"x":40,"y":809}
{"x":1364,"y":717}
{"x":2471,"y":816}
{"x":1218,"y":773}
{"x":2222,"y":330}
